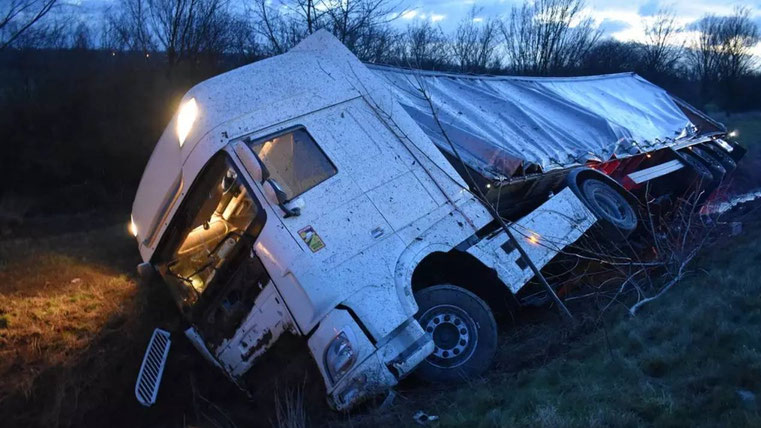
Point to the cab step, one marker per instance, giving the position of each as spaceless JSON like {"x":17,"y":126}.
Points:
{"x":149,"y":378}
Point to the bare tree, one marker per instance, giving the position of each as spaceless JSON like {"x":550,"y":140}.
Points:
{"x":48,"y":36}
{"x":311,"y":13}
{"x":81,"y":37}
{"x":475,"y":42}
{"x":186,"y":29}
{"x":721,"y":52}
{"x":361,"y":25}
{"x":661,"y":51}
{"x":18,"y":16}
{"x":280,"y":31}
{"x":126,"y":27}
{"x":377,"y":44}
{"x":424,"y":46}
{"x":704,"y":53}
{"x":612,"y":56}
{"x":357,"y":22}
{"x":739,"y":35}
{"x":183,"y":29}
{"x":244,"y":41}
{"x":548,"y":36}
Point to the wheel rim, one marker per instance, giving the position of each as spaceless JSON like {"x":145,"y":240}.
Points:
{"x":454,"y":335}
{"x":608,"y":201}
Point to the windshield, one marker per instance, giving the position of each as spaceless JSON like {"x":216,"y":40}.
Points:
{"x":204,"y":235}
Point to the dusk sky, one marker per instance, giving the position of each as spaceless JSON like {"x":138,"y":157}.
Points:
{"x":622,"y":20}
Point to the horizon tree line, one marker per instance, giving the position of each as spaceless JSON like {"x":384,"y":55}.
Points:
{"x":539,"y":37}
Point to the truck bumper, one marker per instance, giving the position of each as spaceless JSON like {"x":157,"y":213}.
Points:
{"x":379,"y":367}
{"x":369,"y":378}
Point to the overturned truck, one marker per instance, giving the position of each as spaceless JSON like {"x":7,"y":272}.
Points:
{"x":384,"y":214}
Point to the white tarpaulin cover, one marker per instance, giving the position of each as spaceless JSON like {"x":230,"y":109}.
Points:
{"x":499,"y":123}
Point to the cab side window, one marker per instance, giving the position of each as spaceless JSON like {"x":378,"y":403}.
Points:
{"x":295,"y":161}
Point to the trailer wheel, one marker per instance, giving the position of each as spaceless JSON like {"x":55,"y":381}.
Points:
{"x":726,"y":160}
{"x":616,"y":217}
{"x":464,"y":333}
{"x":717,"y":169}
{"x":704,"y":177}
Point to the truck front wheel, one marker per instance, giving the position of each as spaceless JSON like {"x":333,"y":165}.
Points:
{"x":463,"y":330}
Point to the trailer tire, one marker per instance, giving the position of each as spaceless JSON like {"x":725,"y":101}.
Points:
{"x":703,"y":175}
{"x":717,"y":169}
{"x":616,"y":217}
{"x":726,"y":160}
{"x":464,"y":333}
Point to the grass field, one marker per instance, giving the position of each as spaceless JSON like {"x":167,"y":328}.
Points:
{"x":70,"y":316}
{"x":748,"y":128}
{"x":74,"y":322}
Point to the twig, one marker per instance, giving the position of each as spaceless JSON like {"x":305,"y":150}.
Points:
{"x":633,"y":310}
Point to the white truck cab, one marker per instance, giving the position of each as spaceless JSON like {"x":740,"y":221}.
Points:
{"x":297,"y":195}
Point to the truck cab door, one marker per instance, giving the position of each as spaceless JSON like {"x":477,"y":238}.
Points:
{"x":354,"y":189}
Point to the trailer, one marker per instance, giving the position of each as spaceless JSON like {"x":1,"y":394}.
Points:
{"x":314,"y":195}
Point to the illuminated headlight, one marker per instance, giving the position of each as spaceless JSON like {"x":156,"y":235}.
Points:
{"x":724,"y":145}
{"x":185,"y":118}
{"x":132,"y":227}
{"x":340,"y":356}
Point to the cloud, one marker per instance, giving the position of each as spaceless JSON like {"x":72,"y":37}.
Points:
{"x":610,"y":26}
{"x":650,"y":8}
{"x":694,"y":25}
{"x":409,"y":14}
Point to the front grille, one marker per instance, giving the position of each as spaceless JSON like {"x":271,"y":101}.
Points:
{"x":149,"y":378}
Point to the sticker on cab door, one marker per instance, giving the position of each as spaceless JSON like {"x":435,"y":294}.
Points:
{"x":312,"y":239}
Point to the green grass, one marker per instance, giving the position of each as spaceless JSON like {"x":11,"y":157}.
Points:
{"x":748,"y":127}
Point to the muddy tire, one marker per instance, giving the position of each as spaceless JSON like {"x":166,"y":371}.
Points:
{"x":698,"y":168}
{"x":616,"y":217}
{"x":726,"y":160}
{"x":717,"y":169}
{"x":701,"y":175}
{"x":464,"y":333}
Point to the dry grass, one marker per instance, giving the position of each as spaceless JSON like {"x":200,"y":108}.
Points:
{"x":62,"y":301}
{"x":73,"y":327}
{"x":55,"y":307}
{"x":290,"y":409}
